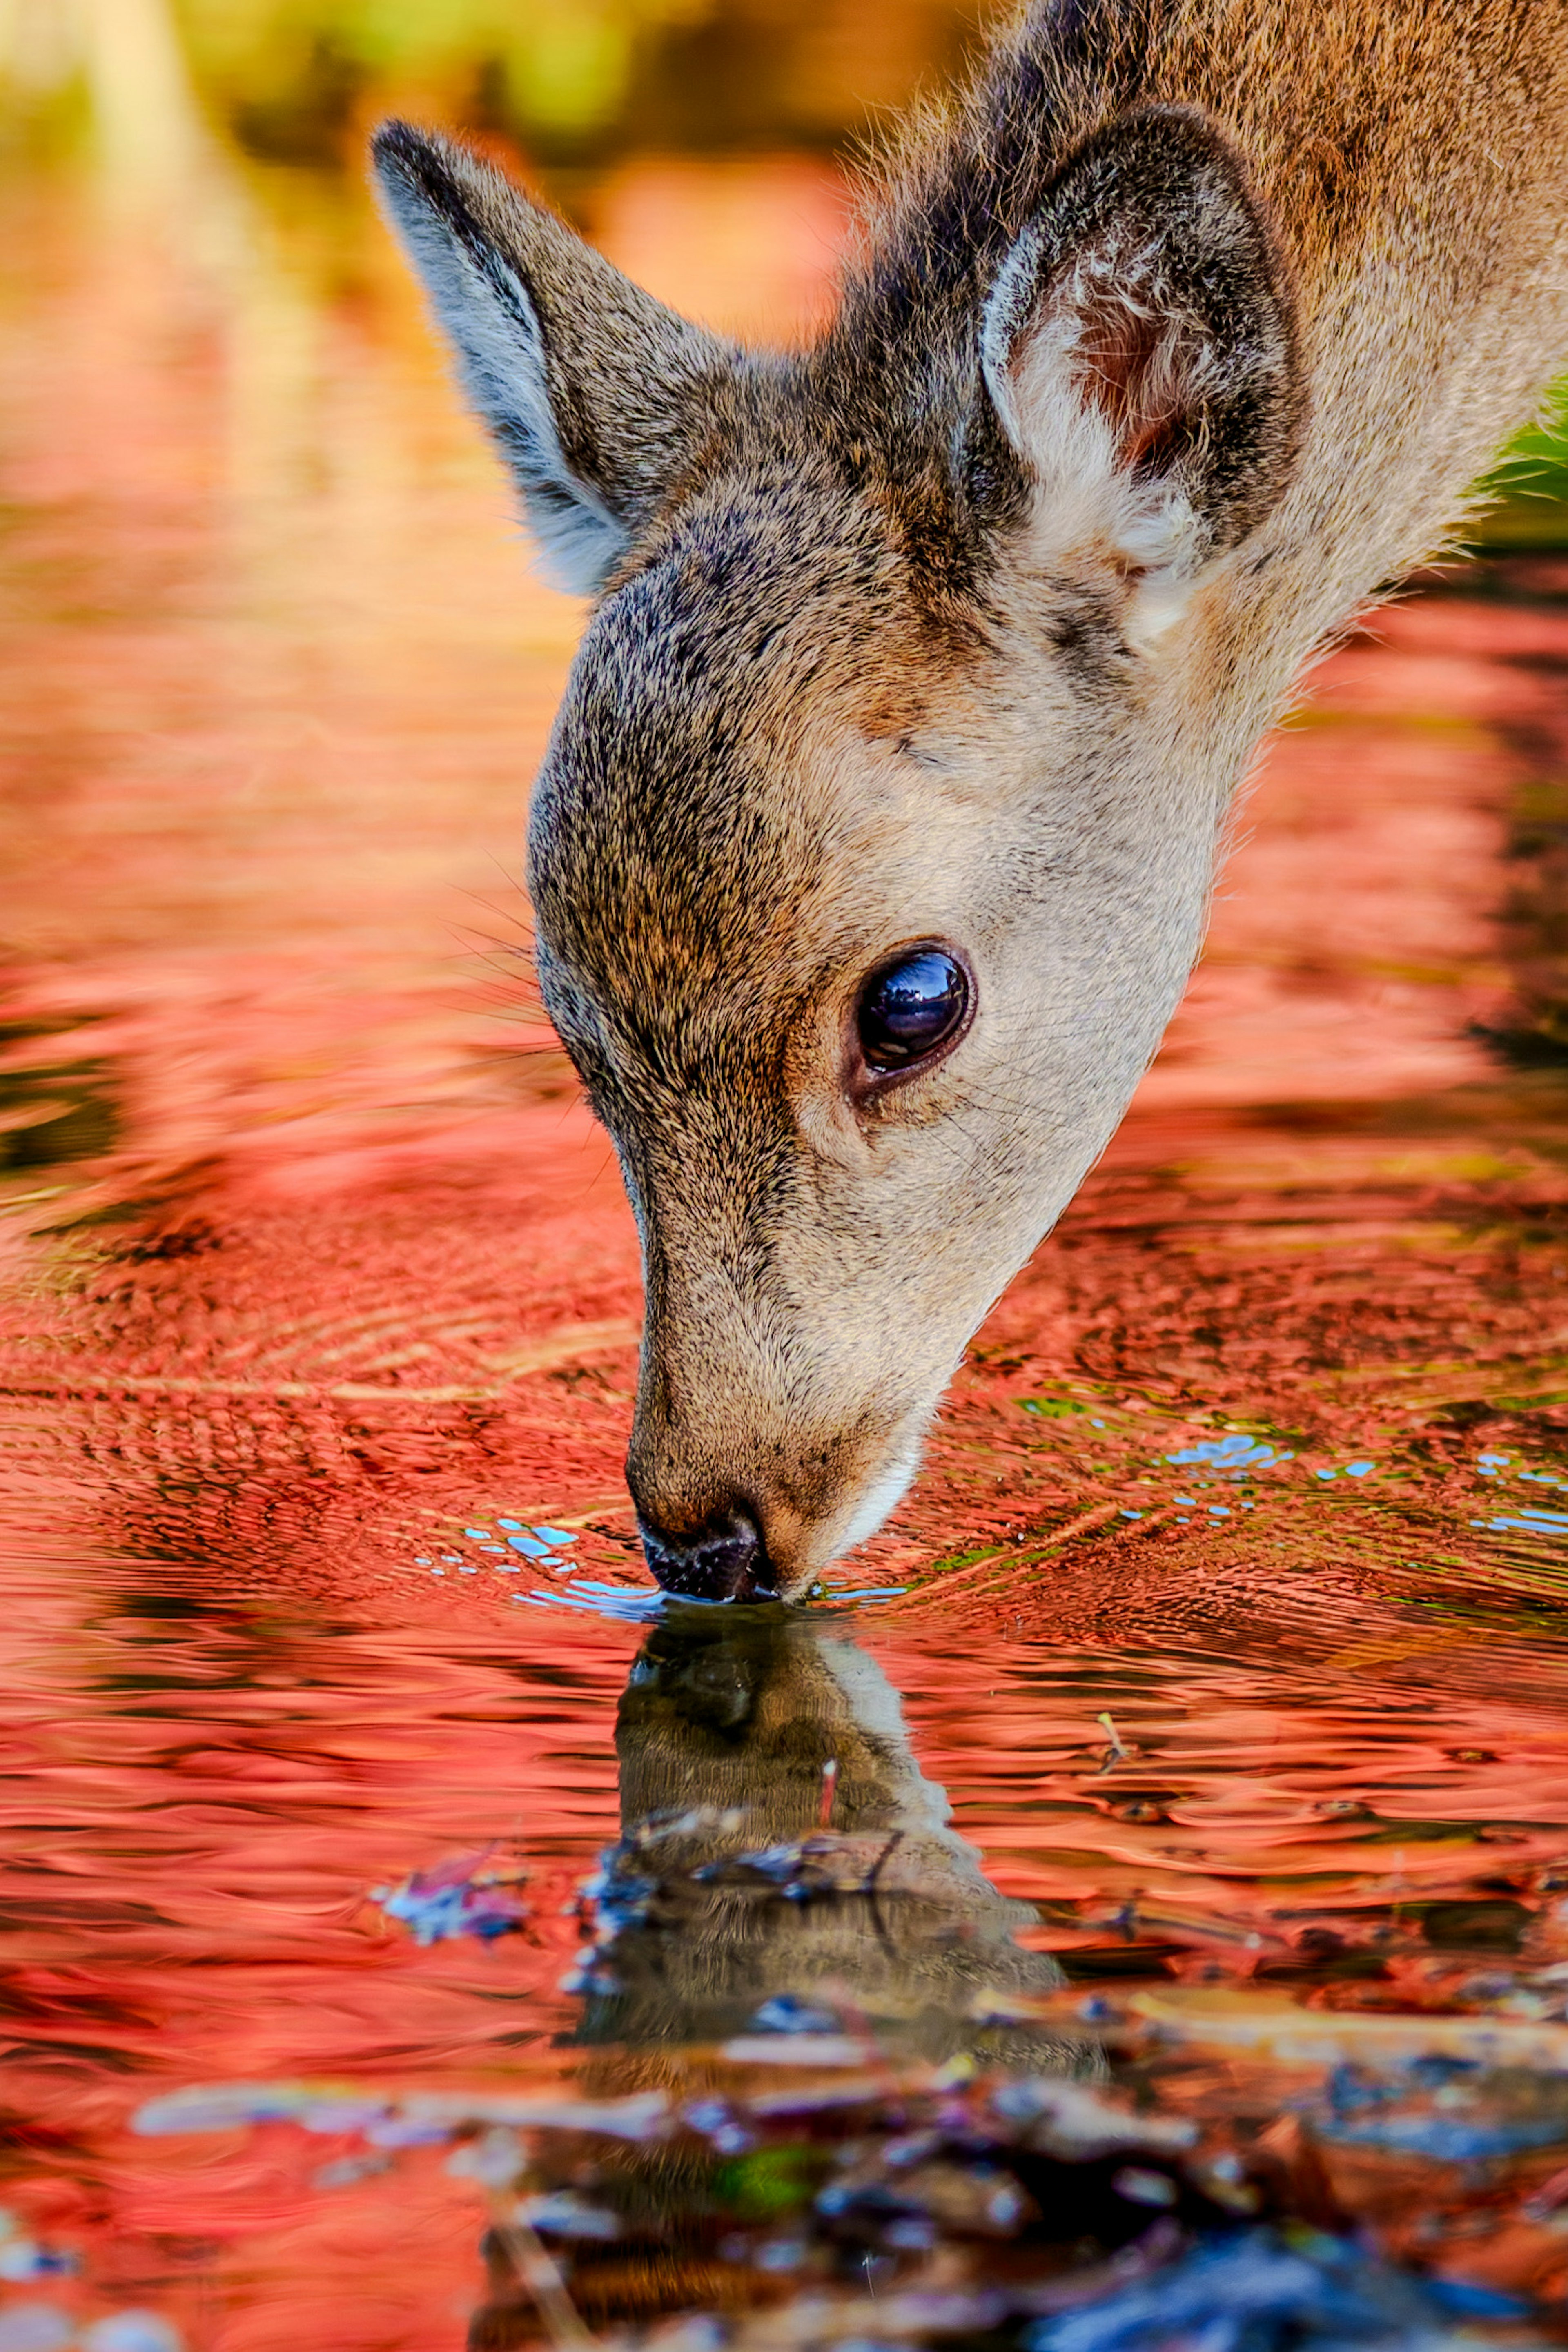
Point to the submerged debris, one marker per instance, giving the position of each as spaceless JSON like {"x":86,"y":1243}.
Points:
{"x":472,"y":1894}
{"x":1273,"y":2291}
{"x":910,"y":2207}
{"x":45,"y":2327}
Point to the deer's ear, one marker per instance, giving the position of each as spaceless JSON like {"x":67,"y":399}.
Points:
{"x":595,"y":392}
{"x":1138,"y":353}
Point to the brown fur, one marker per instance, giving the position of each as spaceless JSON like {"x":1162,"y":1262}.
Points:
{"x":1162,"y":350}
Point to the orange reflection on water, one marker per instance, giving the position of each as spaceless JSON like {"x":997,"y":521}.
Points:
{"x":316,"y":1265}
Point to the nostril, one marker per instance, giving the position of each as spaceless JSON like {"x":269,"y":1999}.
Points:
{"x":724,"y":1561}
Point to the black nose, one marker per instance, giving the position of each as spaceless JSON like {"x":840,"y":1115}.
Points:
{"x":722,"y":1561}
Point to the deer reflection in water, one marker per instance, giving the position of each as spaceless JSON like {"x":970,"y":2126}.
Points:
{"x":781,"y":1845}
{"x":784,"y":1868}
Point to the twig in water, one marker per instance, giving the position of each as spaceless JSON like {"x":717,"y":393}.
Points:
{"x":868,"y":1887}
{"x":539,"y":2272}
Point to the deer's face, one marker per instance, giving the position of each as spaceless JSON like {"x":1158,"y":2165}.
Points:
{"x":873,"y":842}
{"x":859,"y":968}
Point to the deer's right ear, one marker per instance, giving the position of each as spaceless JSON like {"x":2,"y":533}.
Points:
{"x":595,"y":392}
{"x":1138,"y":354}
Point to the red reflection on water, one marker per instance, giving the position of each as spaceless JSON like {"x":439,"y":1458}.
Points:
{"x":317,"y":1264}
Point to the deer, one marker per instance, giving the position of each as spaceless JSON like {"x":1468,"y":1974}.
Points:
{"x":925,"y":663}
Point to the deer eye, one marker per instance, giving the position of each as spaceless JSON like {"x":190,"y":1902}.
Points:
{"x":911,"y":1006}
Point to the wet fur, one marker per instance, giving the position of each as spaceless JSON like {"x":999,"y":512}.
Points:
{"x":1162,"y":350}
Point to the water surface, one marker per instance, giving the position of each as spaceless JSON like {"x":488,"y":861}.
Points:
{"x":1226,"y":1623}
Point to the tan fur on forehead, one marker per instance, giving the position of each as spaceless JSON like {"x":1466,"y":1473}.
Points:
{"x":675,"y":815}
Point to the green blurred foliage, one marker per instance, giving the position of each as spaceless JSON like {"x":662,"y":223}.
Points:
{"x":771,"y":2182}
{"x":294,"y":78}
{"x":289,"y":74}
{"x":1529,"y":482}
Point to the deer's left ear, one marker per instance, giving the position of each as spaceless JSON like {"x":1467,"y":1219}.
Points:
{"x":1139,"y":352}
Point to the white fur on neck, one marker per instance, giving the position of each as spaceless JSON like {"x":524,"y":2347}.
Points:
{"x":887,"y":1492}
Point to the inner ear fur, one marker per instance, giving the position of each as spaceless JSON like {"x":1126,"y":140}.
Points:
{"x":1139,"y":352}
{"x":595,"y":392}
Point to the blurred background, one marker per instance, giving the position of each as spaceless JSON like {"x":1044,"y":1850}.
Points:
{"x":567,"y":81}
{"x":279,"y":95}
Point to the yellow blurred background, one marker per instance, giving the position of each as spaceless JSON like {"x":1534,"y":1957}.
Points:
{"x":573,"y":80}
{"x":277,"y":96}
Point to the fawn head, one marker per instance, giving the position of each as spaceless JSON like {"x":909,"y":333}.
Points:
{"x":874,"y":841}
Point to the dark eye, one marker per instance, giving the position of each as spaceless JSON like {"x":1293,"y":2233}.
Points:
{"x":910,"y":1007}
